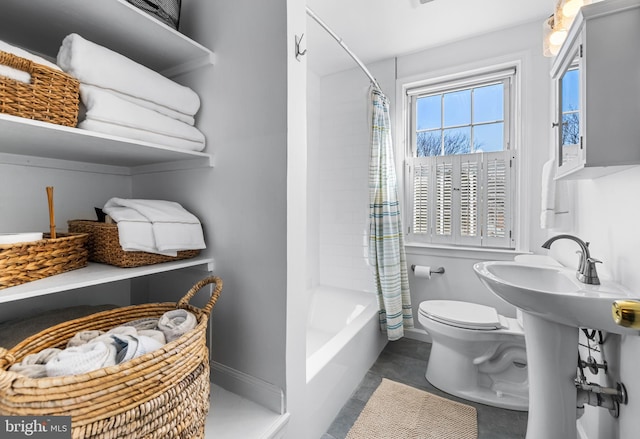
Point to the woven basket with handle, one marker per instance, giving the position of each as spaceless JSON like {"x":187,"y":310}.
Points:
{"x":104,"y":246}
{"x":28,"y":261}
{"x":160,"y":395}
{"x":51,"y":96}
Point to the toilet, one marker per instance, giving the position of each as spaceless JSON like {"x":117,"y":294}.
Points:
{"x":476,"y":353}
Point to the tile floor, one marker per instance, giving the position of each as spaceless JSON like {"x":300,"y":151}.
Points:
{"x":405,"y":361}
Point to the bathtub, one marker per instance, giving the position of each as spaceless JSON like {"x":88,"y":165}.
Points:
{"x":343,"y":341}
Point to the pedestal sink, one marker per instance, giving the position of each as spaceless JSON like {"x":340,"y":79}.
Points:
{"x":554,"y":305}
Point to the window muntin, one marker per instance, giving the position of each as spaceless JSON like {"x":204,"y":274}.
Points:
{"x":461,"y":121}
{"x":461,"y":162}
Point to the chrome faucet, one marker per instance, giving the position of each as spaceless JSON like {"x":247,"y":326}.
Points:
{"x":587,"y":266}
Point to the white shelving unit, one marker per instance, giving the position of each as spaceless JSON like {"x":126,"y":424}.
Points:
{"x":94,"y":274}
{"x":40,"y":26}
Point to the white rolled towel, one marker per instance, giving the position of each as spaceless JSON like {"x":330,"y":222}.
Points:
{"x":94,"y":64}
{"x":105,"y":107}
{"x":140,"y":134}
{"x":82,"y":359}
{"x":83,"y":337}
{"x":132,"y":346}
{"x":176,"y":323}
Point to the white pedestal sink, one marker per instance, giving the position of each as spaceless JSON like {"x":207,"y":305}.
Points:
{"x":555,"y":305}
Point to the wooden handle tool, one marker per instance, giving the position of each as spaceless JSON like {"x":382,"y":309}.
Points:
{"x":52,"y":220}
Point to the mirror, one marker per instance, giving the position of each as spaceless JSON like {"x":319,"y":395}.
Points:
{"x":569,"y":134}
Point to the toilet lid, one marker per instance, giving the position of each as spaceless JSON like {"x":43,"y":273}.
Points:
{"x":461,"y":314}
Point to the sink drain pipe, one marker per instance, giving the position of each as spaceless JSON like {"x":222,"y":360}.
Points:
{"x":599,"y":396}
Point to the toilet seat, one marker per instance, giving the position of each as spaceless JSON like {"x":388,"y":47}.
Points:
{"x":463,"y":314}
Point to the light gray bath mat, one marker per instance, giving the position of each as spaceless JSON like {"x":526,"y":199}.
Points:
{"x":398,"y":411}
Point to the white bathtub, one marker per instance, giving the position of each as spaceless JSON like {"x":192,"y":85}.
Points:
{"x":343,"y":341}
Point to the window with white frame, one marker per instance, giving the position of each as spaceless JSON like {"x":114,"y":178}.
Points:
{"x":461,"y":161}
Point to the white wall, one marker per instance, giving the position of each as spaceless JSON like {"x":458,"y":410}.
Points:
{"x":244,"y":197}
{"x":520,"y":44}
{"x":344,"y":156}
{"x":606,"y":216}
{"x":340,"y":175}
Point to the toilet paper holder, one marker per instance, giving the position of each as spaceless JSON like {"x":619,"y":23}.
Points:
{"x":439,"y":270}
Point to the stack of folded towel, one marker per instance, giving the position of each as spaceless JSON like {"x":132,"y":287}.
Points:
{"x":91,"y":350}
{"x":155,"y":226}
{"x":127,"y":99}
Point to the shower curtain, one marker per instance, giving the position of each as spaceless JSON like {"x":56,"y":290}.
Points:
{"x":386,"y":241}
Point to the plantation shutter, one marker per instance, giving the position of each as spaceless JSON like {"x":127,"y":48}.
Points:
{"x":463,"y":199}
{"x":498,"y":176}
{"x":421,"y":185}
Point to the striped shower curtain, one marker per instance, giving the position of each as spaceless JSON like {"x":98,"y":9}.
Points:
{"x":386,"y":241}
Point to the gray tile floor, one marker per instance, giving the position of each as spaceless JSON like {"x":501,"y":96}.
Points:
{"x":405,"y":361}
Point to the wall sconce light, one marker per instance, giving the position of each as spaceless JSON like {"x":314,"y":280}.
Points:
{"x":556,"y":27}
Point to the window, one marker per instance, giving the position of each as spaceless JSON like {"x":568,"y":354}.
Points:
{"x":461,"y":162}
{"x":570,"y":114}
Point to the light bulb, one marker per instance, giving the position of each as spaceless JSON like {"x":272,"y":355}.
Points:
{"x":571,"y":7}
{"x":557,"y":37}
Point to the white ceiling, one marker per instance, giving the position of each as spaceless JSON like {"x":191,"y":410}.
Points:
{"x":381,"y":29}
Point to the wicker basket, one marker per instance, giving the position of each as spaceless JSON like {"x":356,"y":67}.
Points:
{"x":29,"y":261}
{"x":160,"y":395}
{"x":52,"y":96}
{"x":104,"y":246}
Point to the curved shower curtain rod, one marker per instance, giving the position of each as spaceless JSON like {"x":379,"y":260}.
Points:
{"x":313,"y":15}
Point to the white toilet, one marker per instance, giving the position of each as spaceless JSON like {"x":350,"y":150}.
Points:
{"x":477,"y":354}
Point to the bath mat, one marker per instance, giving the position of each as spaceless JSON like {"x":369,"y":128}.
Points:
{"x":398,"y":411}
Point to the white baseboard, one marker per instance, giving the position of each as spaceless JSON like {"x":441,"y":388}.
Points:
{"x":417,"y":334}
{"x":249,"y":387}
{"x":278,"y":429}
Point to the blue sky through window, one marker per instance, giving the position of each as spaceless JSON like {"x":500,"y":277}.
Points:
{"x":475,"y":113}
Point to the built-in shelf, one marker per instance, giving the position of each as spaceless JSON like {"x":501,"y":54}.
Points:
{"x":41,"y":25}
{"x":36,"y":141}
{"x":95,"y":274}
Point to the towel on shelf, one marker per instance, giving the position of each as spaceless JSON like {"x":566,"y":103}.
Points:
{"x":102,"y":106}
{"x":173,"y":114}
{"x":176,"y":323}
{"x":141,"y":135}
{"x":155,"y":226}
{"x":82,"y":359}
{"x":94,"y":64}
{"x":548,"y":196}
{"x":17,"y":74}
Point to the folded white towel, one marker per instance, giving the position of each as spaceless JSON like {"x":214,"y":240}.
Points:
{"x":173,"y":114}
{"x":138,"y":134}
{"x":176,"y":323}
{"x":103,"y":106}
{"x":93,"y":64}
{"x":82,"y":359}
{"x":17,"y":74}
{"x":173,"y":228}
